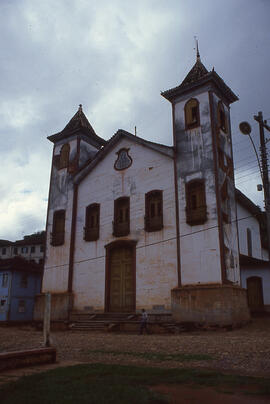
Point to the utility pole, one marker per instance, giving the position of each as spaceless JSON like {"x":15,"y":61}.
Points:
{"x":264,"y":165}
{"x":47,"y":320}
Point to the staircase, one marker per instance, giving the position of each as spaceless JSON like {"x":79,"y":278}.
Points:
{"x":102,"y":322}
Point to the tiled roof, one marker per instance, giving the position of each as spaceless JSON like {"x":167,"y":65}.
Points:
{"x":36,"y":238}
{"x":31,"y":239}
{"x":78,"y":122}
{"x":160,"y":148}
{"x":197,"y":71}
{"x":20,"y":264}
{"x":198,"y":76}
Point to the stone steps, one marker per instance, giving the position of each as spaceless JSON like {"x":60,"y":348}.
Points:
{"x":105,"y":322}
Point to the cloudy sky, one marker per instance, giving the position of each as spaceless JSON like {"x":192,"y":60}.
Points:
{"x":115,"y":57}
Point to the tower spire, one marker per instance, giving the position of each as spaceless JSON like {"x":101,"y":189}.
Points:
{"x":198,"y":58}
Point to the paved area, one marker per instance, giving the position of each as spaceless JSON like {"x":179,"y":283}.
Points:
{"x":244,"y":351}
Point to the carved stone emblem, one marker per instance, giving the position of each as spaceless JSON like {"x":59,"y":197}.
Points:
{"x":123,"y":160}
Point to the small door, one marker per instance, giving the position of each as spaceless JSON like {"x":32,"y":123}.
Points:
{"x":255,"y":293}
{"x":121,"y":280}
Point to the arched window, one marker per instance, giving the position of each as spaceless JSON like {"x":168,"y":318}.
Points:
{"x":91,"y":229}
{"x":153,"y":211}
{"x":222,"y":120}
{"x":249,"y":242}
{"x":58,"y":231}
{"x":64,"y":156}
{"x":192,"y":114}
{"x":121,"y":217}
{"x":195,"y":202}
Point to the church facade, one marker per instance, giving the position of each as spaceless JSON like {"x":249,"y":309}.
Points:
{"x":133,"y":224}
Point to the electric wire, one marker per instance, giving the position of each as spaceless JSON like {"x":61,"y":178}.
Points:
{"x":155,"y":243}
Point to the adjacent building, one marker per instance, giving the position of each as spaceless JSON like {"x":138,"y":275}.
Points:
{"x":21,"y":268}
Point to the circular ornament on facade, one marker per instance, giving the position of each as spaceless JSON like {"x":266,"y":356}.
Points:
{"x":123,"y":160}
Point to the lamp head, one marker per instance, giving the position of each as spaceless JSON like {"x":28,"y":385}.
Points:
{"x":245,"y":128}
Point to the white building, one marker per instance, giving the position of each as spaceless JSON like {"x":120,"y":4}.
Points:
{"x":134,"y":224}
{"x":31,"y":248}
{"x":255,"y":268}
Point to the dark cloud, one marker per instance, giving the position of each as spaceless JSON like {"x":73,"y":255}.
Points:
{"x":115,"y":58}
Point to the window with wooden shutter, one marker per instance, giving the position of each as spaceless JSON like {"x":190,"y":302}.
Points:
{"x":222,"y":120}
{"x":196,"y":203}
{"x":153,"y":211}
{"x":121,"y":217}
{"x":58,"y":232}
{"x":64,"y":156}
{"x":192,"y":114}
{"x":91,"y":229}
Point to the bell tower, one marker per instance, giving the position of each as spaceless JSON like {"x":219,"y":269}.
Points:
{"x":209,"y":274}
{"x":73,"y":147}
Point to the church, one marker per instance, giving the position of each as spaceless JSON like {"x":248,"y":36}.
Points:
{"x":134,"y":224}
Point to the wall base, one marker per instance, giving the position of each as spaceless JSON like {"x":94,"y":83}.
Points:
{"x":220,"y":305}
{"x":61,"y":306}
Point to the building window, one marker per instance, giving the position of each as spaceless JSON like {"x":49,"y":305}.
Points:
{"x":249,"y":242}
{"x":24,"y":250}
{"x":40,"y":261}
{"x":195,"y":202}
{"x":4,"y":251}
{"x":91,"y":229}
{"x":58,"y":232}
{"x":15,"y":250}
{"x":21,"y":306}
{"x":33,"y":249}
{"x":121,"y":217}
{"x":42,"y":248}
{"x":153,"y":211}
{"x":192,"y":114}
{"x":222,"y":121}
{"x":4,"y":280}
{"x":64,"y":156}
{"x":24,"y":281}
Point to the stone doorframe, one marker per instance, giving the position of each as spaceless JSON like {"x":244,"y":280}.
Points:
{"x":109,"y":248}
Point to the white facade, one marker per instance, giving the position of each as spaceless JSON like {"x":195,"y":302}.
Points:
{"x":156,"y":272}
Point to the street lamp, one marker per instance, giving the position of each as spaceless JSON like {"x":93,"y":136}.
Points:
{"x":245,"y":129}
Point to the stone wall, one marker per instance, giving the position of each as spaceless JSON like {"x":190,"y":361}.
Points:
{"x":210,"y":304}
{"x":61,"y":304}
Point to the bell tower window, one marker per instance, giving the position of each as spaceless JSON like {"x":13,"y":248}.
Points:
{"x":195,"y":203}
{"x":58,"y":231}
{"x":192,"y":114}
{"x":222,"y":121}
{"x":64,"y":156}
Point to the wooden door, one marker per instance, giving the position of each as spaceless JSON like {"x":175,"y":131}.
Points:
{"x":121,"y":280}
{"x":255,"y":293}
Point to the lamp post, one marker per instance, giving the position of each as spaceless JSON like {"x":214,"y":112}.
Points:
{"x":245,"y":129}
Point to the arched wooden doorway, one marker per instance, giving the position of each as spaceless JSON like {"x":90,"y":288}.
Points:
{"x":255,"y":293}
{"x":120,"y":288}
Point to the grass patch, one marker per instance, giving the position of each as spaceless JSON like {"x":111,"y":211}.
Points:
{"x":115,"y":384}
{"x":158,"y":356}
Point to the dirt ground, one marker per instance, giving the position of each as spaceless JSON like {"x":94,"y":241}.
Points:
{"x":244,"y":351}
